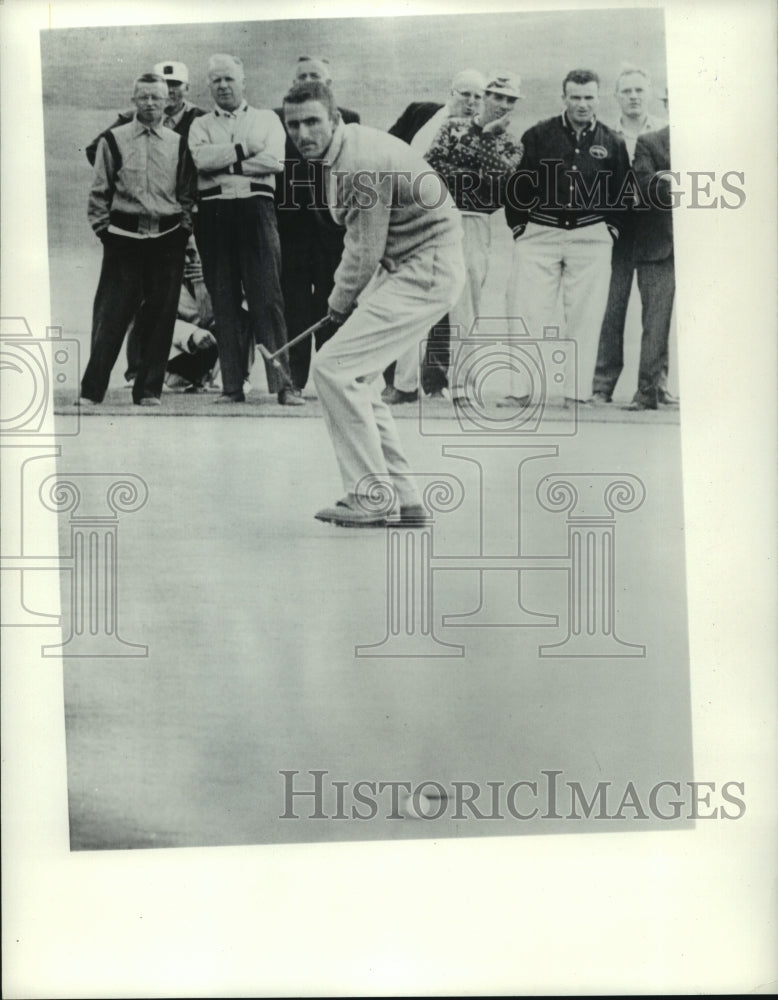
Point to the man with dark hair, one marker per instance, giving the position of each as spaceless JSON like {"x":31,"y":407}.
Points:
{"x":143,"y":216}
{"x":576,"y":168}
{"x":418,"y":125}
{"x":401,"y":269}
{"x":311,"y":244}
{"x":633,"y":91}
{"x":238,"y":151}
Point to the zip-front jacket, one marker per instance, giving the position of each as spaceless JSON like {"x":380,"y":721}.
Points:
{"x":182,"y":126}
{"x":144,"y":182}
{"x":566,"y":181}
{"x":221,"y":144}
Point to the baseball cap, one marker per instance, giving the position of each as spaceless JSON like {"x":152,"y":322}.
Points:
{"x":504,"y":83}
{"x":172,"y":71}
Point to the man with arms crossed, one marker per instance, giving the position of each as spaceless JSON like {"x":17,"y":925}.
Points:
{"x":401,"y":269}
{"x":238,"y":151}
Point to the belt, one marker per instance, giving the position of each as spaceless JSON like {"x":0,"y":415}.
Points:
{"x":131,"y":223}
{"x":565,"y":220}
{"x":255,"y":187}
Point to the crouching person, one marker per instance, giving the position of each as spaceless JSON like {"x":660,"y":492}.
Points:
{"x":401,"y":270}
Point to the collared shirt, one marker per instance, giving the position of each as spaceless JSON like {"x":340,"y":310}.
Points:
{"x":557,"y":170}
{"x":651,"y":124}
{"x":390,"y":202}
{"x":170,"y":121}
{"x":220,"y":142}
{"x":144,"y":182}
{"x":473,"y":163}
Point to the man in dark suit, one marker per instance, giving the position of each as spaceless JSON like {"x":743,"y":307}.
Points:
{"x":418,"y":125}
{"x":179,"y":115}
{"x":655,"y":262}
{"x":311,"y":243}
{"x":633,"y":93}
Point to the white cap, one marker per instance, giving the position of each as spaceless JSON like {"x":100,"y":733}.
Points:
{"x":172,"y":71}
{"x":504,"y":83}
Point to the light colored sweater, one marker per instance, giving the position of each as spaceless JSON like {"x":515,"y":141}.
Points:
{"x":390,"y":202}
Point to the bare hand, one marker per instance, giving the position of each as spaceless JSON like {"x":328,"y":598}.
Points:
{"x":203,"y":339}
{"x":498,"y":125}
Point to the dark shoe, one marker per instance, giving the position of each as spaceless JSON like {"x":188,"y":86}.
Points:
{"x":518,"y":402}
{"x":347,"y":513}
{"x":600,"y":399}
{"x":439,"y":394}
{"x":192,"y":389}
{"x":290,"y":397}
{"x":640,"y":404}
{"x":85,"y":401}
{"x":666,"y":398}
{"x":231,"y":397}
{"x":393,"y":396}
{"x":412,"y":515}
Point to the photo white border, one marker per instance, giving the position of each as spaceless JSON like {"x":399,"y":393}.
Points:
{"x":665,"y":912}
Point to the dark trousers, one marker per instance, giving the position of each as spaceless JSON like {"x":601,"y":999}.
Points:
{"x":133,"y":353}
{"x":241,"y":254}
{"x":437,"y":359}
{"x":310,"y":255}
{"x":610,"y":351}
{"x":194,"y":367}
{"x":656,"y":281}
{"x":140,"y":278}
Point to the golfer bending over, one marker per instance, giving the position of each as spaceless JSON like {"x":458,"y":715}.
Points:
{"x":402,"y":261}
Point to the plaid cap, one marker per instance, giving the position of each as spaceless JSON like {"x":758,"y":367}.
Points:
{"x":504,"y":83}
{"x":172,"y":71}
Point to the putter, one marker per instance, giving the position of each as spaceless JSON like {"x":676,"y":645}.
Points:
{"x":273,"y":358}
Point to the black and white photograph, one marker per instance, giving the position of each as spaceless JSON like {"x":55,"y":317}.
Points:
{"x":388,"y":499}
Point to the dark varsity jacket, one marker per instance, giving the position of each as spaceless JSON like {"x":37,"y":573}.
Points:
{"x":568,"y":182}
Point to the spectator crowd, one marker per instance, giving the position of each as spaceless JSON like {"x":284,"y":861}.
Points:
{"x":243,"y":227}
